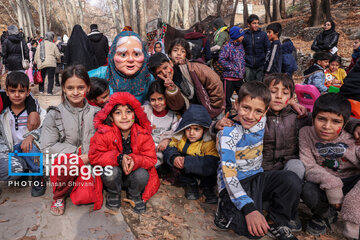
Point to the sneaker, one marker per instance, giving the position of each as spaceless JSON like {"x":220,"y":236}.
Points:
{"x":210,"y":195}
{"x":41,"y":92}
{"x":192,"y":191}
{"x":316,"y":226}
{"x":220,"y":221}
{"x":113,"y":201}
{"x":140,"y":206}
{"x":280,"y":232}
{"x":49,"y":94}
{"x":38,"y":187}
{"x":295,"y":225}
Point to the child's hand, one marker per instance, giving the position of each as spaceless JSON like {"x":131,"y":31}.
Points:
{"x":26,"y":144}
{"x":357,"y":135}
{"x":168,"y":82}
{"x":163,"y":145}
{"x":256,"y":224}
{"x":179,"y":162}
{"x":224,"y":122}
{"x":85,"y":158}
{"x":300,"y":109}
{"x":127,"y":164}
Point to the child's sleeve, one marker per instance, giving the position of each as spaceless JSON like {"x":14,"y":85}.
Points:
{"x":99,"y":153}
{"x":273,"y":54}
{"x":171,"y":153}
{"x":147,"y":159}
{"x":227,"y":148}
{"x":203,"y":165}
{"x":318,"y":80}
{"x":314,"y":173}
{"x":224,"y":58}
{"x":168,"y":134}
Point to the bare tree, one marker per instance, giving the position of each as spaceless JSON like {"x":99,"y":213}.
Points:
{"x":141,"y":18}
{"x":126,"y":11}
{"x":115,"y":20}
{"x":218,"y":8}
{"x":320,"y":10}
{"x":46,"y":29}
{"x":186,"y":20}
{"x":121,"y":13}
{"x":8,"y":11}
{"x":41,"y":19}
{"x":276,"y":11}
{"x":195,"y":6}
{"x":165,"y":10}
{"x":81,"y":13}
{"x":234,"y":13}
{"x":245,"y":12}
{"x":283,"y":9}
{"x":133,"y":12}
{"x":267,"y":11}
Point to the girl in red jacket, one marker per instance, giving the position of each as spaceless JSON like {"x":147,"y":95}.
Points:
{"x":123,"y":140}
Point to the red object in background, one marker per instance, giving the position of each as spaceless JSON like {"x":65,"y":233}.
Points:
{"x":355,"y":108}
{"x":37,"y":77}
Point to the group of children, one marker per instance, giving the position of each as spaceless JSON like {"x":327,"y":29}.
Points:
{"x":258,"y":159}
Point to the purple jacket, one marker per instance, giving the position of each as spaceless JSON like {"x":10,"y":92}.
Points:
{"x":232,"y":58}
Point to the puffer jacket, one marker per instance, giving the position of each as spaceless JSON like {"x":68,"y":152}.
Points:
{"x":256,"y":45}
{"x":59,"y":137}
{"x":52,"y":55}
{"x":106,"y":144}
{"x":100,"y":45}
{"x":232,"y":58}
{"x":316,"y":77}
{"x":289,"y":65}
{"x":11,"y":51}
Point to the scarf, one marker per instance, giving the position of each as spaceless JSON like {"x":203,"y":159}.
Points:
{"x":120,"y":82}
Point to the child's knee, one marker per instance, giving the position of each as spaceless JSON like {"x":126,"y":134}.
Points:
{"x":116,"y":174}
{"x":140,"y":176}
{"x":296,"y":166}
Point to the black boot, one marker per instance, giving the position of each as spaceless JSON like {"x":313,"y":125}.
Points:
{"x":140,"y":206}
{"x":38,"y":187}
{"x":113,"y":201}
{"x":210,"y":195}
{"x":192,"y":191}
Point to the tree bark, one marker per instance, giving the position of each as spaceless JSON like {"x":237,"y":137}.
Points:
{"x":81,"y":14}
{"x":233,"y":14}
{"x":218,"y":8}
{"x":120,"y":14}
{"x":68,"y":18}
{"x":28,"y":20}
{"x":8,"y":11}
{"x":283,"y":9}
{"x":196,"y":10}
{"x":245,"y":13}
{"x":141,"y":18}
{"x":126,"y":11}
{"x":115,"y":20}
{"x":41,"y":19}
{"x":165,"y":11}
{"x":276,"y":11}
{"x":317,"y":12}
{"x":44,"y":16}
{"x":173,"y":13}
{"x":186,"y":14}
{"x":267,"y":11}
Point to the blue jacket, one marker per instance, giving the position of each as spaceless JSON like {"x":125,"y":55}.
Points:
{"x":289,"y":65}
{"x":256,"y":45}
{"x":273,"y":58}
{"x":317,"y":77}
{"x":232,"y":58}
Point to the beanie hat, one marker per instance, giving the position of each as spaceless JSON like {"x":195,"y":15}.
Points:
{"x":13,"y":30}
{"x":218,"y":23}
{"x":93,"y":27}
{"x":236,"y":32}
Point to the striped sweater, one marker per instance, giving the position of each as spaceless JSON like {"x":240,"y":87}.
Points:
{"x":240,"y":153}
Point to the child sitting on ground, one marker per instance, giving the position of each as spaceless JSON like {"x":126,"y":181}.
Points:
{"x":334,"y":75}
{"x":123,"y":140}
{"x":273,"y":62}
{"x":163,"y":121}
{"x":332,"y":165}
{"x":242,"y":183}
{"x":315,"y":74}
{"x":16,"y":135}
{"x":99,"y":93}
{"x":192,"y":151}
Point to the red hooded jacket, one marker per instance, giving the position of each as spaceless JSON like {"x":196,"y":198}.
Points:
{"x":106,"y":144}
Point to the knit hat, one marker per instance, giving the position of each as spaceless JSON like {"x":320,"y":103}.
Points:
{"x":236,"y":32}
{"x":13,"y":30}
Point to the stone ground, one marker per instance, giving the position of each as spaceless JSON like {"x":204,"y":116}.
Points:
{"x":169,"y":215}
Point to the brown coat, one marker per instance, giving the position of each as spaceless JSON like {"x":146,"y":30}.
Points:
{"x":209,"y":79}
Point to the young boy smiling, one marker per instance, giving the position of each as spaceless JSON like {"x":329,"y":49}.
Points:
{"x":243,"y":185}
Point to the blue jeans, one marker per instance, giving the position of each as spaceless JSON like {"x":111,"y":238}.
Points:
{"x":34,"y":167}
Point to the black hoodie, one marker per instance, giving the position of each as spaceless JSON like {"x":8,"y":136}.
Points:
{"x":100,"y":45}
{"x":12,"y":52}
{"x":351,"y":87}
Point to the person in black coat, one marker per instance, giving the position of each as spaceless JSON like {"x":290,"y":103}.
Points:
{"x":351,"y":87}
{"x":11,"y":50}
{"x":99,"y":44}
{"x":327,"y":39}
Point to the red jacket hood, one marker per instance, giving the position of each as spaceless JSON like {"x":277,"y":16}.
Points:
{"x":122,"y":98}
{"x":194,"y":35}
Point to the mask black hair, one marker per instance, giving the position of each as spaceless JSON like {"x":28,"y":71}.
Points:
{"x":156,"y":61}
{"x":283,"y":78}
{"x":14,"y":79}
{"x":333,"y":103}
{"x":98,"y":87}
{"x":255,"y":89}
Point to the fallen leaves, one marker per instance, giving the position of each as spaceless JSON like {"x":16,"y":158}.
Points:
{"x":111,"y":212}
{"x":4,"y":220}
{"x":4,"y":201}
{"x":35,"y":227}
{"x":131,"y":202}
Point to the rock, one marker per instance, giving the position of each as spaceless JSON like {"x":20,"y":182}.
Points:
{"x":355,"y":35}
{"x":303,"y":62}
{"x":293,"y":28}
{"x":310,"y":33}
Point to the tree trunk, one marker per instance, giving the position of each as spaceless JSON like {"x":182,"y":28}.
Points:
{"x":316,"y":13}
{"x":8,"y":11}
{"x":180,"y":15}
{"x":233,"y":14}
{"x":126,"y":11}
{"x":29,"y":17}
{"x":186,"y":14}
{"x":81,"y":14}
{"x":133,"y":12}
{"x":41,"y":19}
{"x":267,"y":11}
{"x":116,"y":22}
{"x":326,"y":9}
{"x":276,"y":11}
{"x":218,"y":8}
{"x":68,"y":18}
{"x":283,"y":9}
{"x":141,"y":18}
{"x":196,"y":10}
{"x":173,"y":13}
{"x":165,"y":5}
{"x":199,"y":10}
{"x":44,"y":16}
{"x":245,"y":13}
{"x":120,"y":14}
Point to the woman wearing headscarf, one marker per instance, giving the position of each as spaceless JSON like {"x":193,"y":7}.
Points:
{"x":127,"y":69}
{"x":327,"y":40}
{"x":79,"y":50}
{"x":46,"y":56}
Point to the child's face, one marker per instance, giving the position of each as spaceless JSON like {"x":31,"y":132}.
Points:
{"x":254,"y":25}
{"x":165,"y":71}
{"x":194,"y":133}
{"x":328,"y":125}
{"x":178,"y":54}
{"x":157,"y":47}
{"x":356,"y":44}
{"x":271,"y":35}
{"x":323,"y":63}
{"x":157,"y":102}
{"x":75,"y":90}
{"x":123,"y":117}
{"x":280,"y":96}
{"x":334,"y":66}
{"x":250,"y":111}
{"x":17,"y":95}
{"x":103,"y":98}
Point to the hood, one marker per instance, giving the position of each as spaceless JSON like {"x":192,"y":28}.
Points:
{"x":312,"y":69}
{"x":122,"y":98}
{"x":95,"y":36}
{"x":287,"y":47}
{"x":218,"y":23}
{"x":15,"y":38}
{"x":49,"y":36}
{"x":195,"y":115}
{"x":194,"y":35}
{"x":12,"y":30}
{"x":162,"y":46}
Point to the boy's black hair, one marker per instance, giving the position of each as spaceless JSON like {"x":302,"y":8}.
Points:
{"x":97,"y":87}
{"x":283,"y":78}
{"x":251,"y":18}
{"x":156,"y":61}
{"x":333,"y":103}
{"x":14,"y":79}
{"x":156,"y":87}
{"x":336,"y":58}
{"x":318,"y":56}
{"x":183,"y":43}
{"x":275,"y":27}
{"x":255,"y":89}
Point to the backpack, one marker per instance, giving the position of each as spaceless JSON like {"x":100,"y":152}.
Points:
{"x":197,"y":47}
